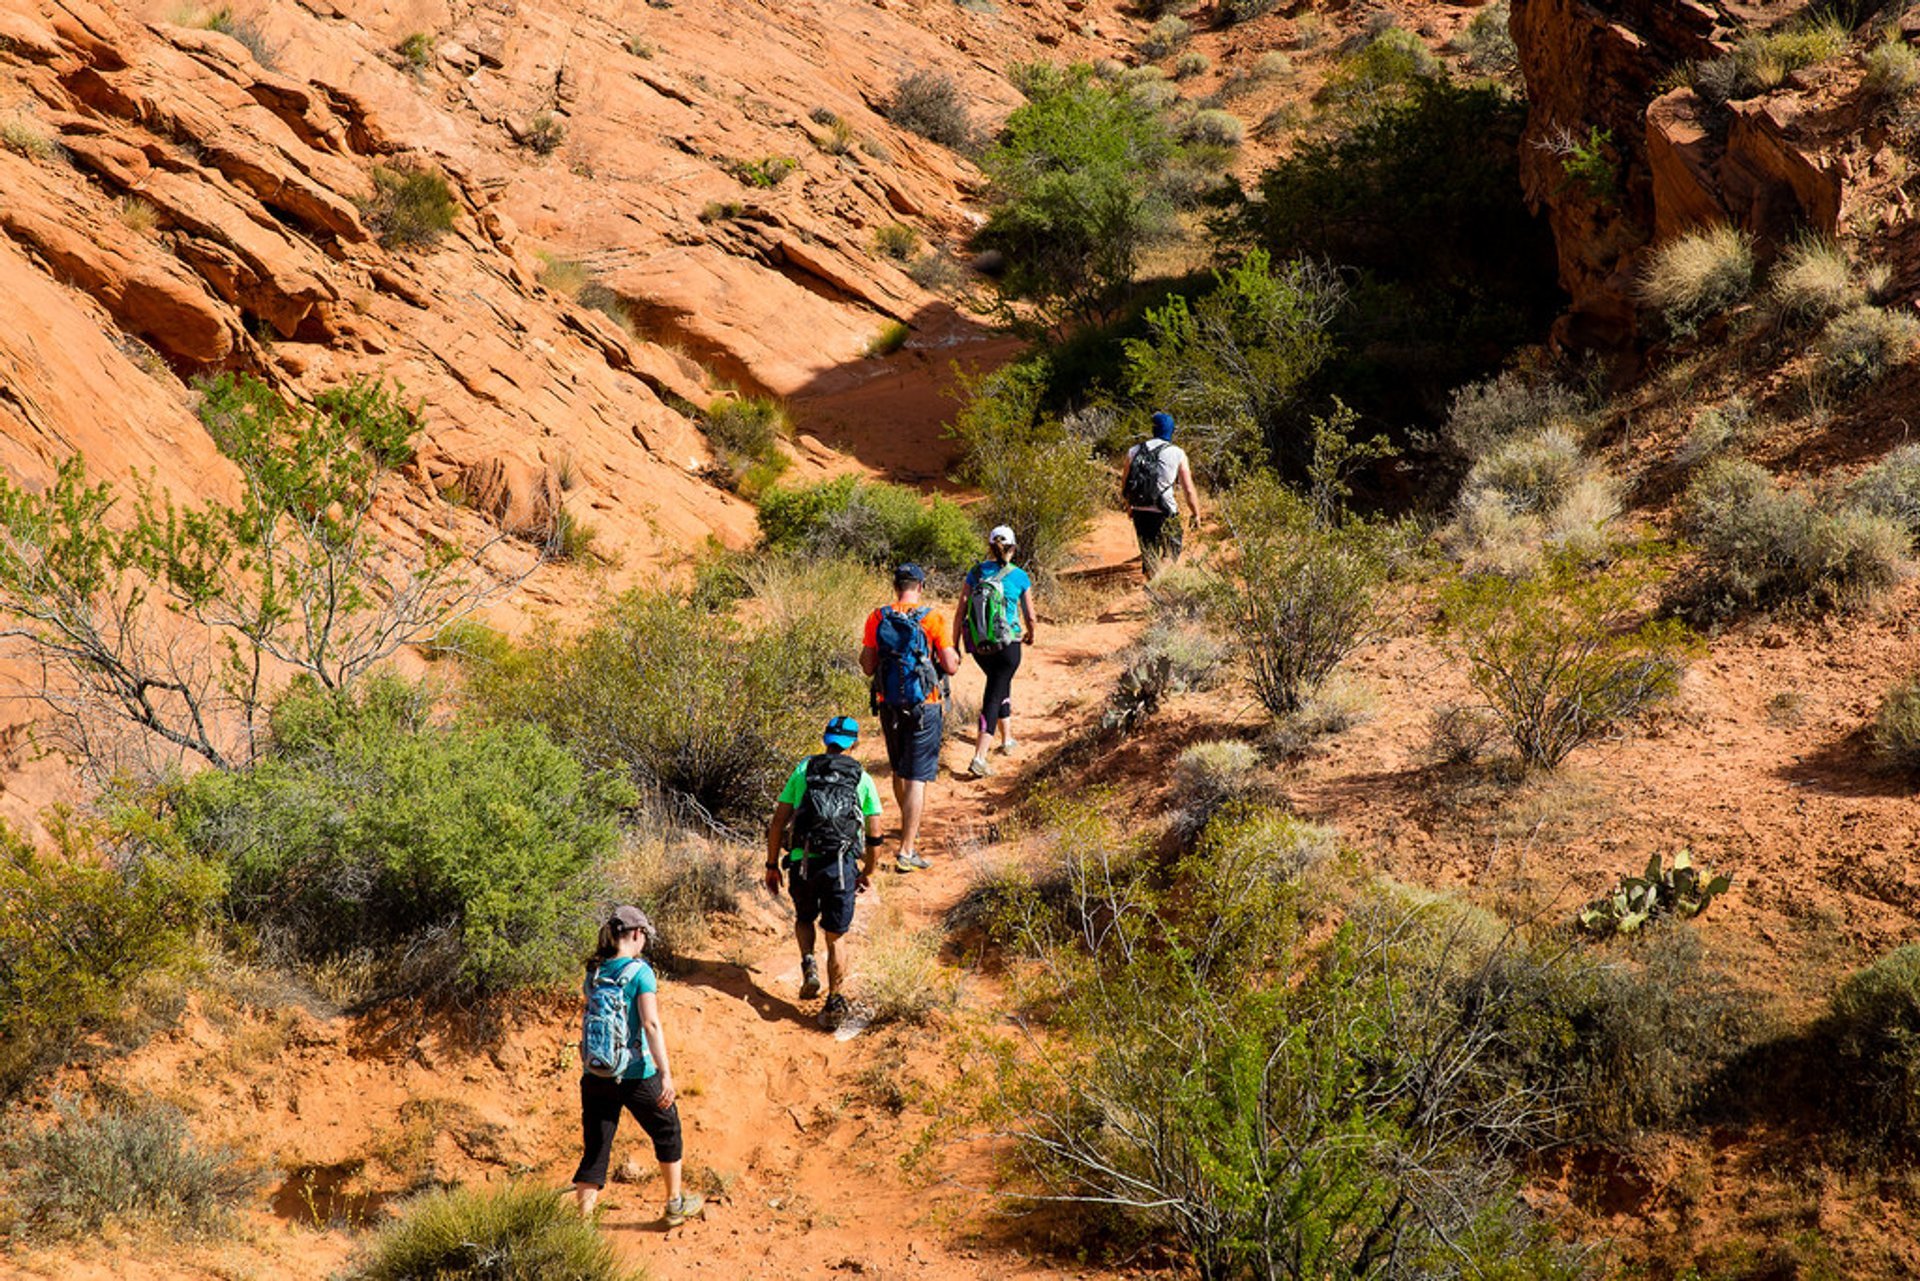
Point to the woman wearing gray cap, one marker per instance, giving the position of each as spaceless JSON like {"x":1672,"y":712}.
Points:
{"x":995,"y":618}
{"x":623,"y":1054}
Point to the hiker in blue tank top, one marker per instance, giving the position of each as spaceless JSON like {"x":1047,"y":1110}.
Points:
{"x":825,"y":835}
{"x":623,"y":1052}
{"x":994,"y":621}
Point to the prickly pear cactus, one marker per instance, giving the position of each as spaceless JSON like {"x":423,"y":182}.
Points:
{"x":1678,"y":889}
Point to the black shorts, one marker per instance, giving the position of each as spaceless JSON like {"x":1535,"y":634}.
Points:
{"x":601,"y":1102}
{"x":913,"y":741}
{"x":817,"y":898}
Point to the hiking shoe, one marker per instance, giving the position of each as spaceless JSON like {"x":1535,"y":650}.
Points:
{"x":979,"y":768}
{"x":836,"y":1009}
{"x":684,"y":1207}
{"x":910,"y":861}
{"x":809,"y":979}
{"x":1008,"y":748}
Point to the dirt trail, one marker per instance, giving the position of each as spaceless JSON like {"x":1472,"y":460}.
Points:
{"x":785,"y":1115}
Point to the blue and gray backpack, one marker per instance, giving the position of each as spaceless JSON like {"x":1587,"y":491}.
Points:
{"x":608,"y":1044}
{"x":906,"y":677}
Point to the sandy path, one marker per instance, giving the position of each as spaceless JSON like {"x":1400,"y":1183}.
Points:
{"x":782,"y":1113}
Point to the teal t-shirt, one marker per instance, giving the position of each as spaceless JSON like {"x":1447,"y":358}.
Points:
{"x":639,"y":978}
{"x":1016,"y":585}
{"x":796,"y":787}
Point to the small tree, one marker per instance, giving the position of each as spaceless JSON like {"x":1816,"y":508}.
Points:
{"x":1230,"y":363}
{"x":294,"y":575}
{"x":1302,"y":594}
{"x":1557,"y":655}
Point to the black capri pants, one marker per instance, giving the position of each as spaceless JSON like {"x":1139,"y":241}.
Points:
{"x":1000,"y":665}
{"x":600,"y":1103}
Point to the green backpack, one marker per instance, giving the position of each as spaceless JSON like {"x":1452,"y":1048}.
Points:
{"x":988,"y":626}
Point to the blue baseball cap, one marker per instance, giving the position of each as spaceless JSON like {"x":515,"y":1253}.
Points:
{"x":842,"y":732}
{"x":909,"y":573}
{"x":1163,"y":425}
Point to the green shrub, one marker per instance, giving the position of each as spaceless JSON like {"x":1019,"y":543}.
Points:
{"x":1555,"y":656}
{"x":1387,"y":72}
{"x":1195,"y":655}
{"x":1190,"y":64}
{"x":748,"y":425}
{"x":518,"y":1233}
{"x":1893,"y":69}
{"x":871,"y":522}
{"x":1891,"y":488}
{"x":929,"y":103}
{"x":126,"y":1163}
{"x":1862,"y":346}
{"x":896,"y":240}
{"x":768,"y":171}
{"x":1814,"y":280}
{"x":1872,"y":1072}
{"x":689,"y":704}
{"x":1208,"y":776}
{"x":1302,"y":595}
{"x":1165,"y":36}
{"x":1896,"y":727}
{"x":1696,"y":276}
{"x":471,"y":857}
{"x":409,"y":208}
{"x":1049,"y":490}
{"x":416,"y":50}
{"x":81,"y":926}
{"x":892,"y":337}
{"x":1762,"y":546}
{"x":544,"y":133}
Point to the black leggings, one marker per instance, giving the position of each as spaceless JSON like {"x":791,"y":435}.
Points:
{"x":997,"y":703}
{"x":600,"y":1104}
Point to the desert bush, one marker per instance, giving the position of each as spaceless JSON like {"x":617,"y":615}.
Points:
{"x":1302,"y":594}
{"x":25,"y":136}
{"x":683,"y":878}
{"x":518,"y":1232}
{"x":1532,"y":473}
{"x":749,"y":425}
{"x":1529,"y":494}
{"x":1697,"y":275}
{"x":126,"y":1163}
{"x":471,"y":858}
{"x":929,"y":103}
{"x":1486,"y":415}
{"x":1190,"y":64}
{"x":1555,"y":656}
{"x":1762,"y":59}
{"x":416,"y":50}
{"x":1460,"y":734}
{"x":900,"y":977}
{"x":1862,"y":346}
{"x":1814,"y":280}
{"x":1232,"y":362}
{"x":1386,"y":72}
{"x":1206,"y":777}
{"x":81,"y":925}
{"x":1871,"y":1068}
{"x":1186,"y":591}
{"x":766,"y":172}
{"x":409,"y":208}
{"x":544,"y":133}
{"x":1165,"y":37}
{"x":1896,"y":727}
{"x":871,"y":522}
{"x":1486,"y":44}
{"x":1049,"y":490}
{"x":1715,"y":430}
{"x":1196,"y":657}
{"x":1893,"y":69}
{"x":896,"y":240}
{"x":1762,"y":546}
{"x":1214,"y":128}
{"x":1891,"y":488}
{"x":937,"y":272}
{"x":1233,"y":11}
{"x":572,"y":537}
{"x":721,"y":211}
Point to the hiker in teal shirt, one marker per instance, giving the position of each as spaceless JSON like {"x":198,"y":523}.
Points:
{"x":995,"y":620}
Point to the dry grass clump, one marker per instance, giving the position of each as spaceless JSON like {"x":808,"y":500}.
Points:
{"x":519,"y":1231}
{"x":1190,"y":64}
{"x":1813,"y":280}
{"x":577,"y":281}
{"x":1715,"y":430}
{"x":901,"y":979}
{"x":1166,"y":36}
{"x":1762,"y":60}
{"x":896,"y":240}
{"x":136,"y":215}
{"x":1208,"y":776}
{"x":409,"y":208}
{"x":24,"y":136}
{"x":1696,"y":276}
{"x":1460,"y":734}
{"x":1334,"y":706}
{"x":1532,"y":492}
{"x":683,"y":880}
{"x":1215,"y":128}
{"x":1197,"y":657}
{"x":930,"y":104}
{"x":1488,"y":414}
{"x":1896,"y":729}
{"x":1893,"y":69}
{"x":1863,"y":345}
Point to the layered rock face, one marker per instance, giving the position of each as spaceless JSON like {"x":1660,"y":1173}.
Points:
{"x":1798,"y":158}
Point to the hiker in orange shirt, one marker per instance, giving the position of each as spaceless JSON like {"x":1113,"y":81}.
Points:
{"x":908,"y":651}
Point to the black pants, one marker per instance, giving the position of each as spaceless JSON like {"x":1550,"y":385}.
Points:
{"x":997,"y":703}
{"x":600,"y":1104}
{"x":1159,"y":534}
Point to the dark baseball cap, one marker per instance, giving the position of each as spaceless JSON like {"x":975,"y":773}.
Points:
{"x":909,"y":573}
{"x":627,"y":918}
{"x":842,"y":732}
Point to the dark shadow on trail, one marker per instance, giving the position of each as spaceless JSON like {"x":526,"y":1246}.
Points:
{"x":1846,"y":766}
{"x":736,"y":981}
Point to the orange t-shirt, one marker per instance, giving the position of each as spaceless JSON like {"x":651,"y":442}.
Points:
{"x":939,"y":637}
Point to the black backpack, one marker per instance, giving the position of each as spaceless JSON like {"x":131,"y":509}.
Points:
{"x":827,"y":823}
{"x":1142,"y":487}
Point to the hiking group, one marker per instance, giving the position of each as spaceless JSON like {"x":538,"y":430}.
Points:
{"x":824,"y":838}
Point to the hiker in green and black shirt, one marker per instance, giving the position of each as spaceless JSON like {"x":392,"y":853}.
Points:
{"x":825,"y":834}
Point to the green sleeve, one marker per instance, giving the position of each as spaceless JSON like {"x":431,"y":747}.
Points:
{"x":869,"y":796}
{"x":796,"y":786}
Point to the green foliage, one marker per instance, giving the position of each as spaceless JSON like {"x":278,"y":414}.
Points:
{"x":1039,"y":478}
{"x":1697,"y":275}
{"x":896,"y":240}
{"x":1893,"y":70}
{"x":80,"y":926}
{"x":892,"y":337}
{"x":127,"y":1164}
{"x":1896,"y":727}
{"x":689,"y":704}
{"x":1762,"y":546}
{"x":1079,"y":189}
{"x":1421,"y":207}
{"x":518,"y":1233}
{"x":1556,"y":655}
{"x":1863,"y":345}
{"x":1388,"y":72}
{"x":1589,"y":165}
{"x":1303,"y":592}
{"x":1678,"y":890}
{"x":472,"y":857}
{"x":416,"y":50}
{"x":1891,"y":487}
{"x":1872,"y":1071}
{"x":543,"y":134}
{"x":1231,"y":362}
{"x":929,"y":103}
{"x":871,"y":522}
{"x":768,"y":171}
{"x":1762,"y":59}
{"x":409,"y":208}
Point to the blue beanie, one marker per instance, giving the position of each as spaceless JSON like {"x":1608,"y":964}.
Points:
{"x":1163,"y":425}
